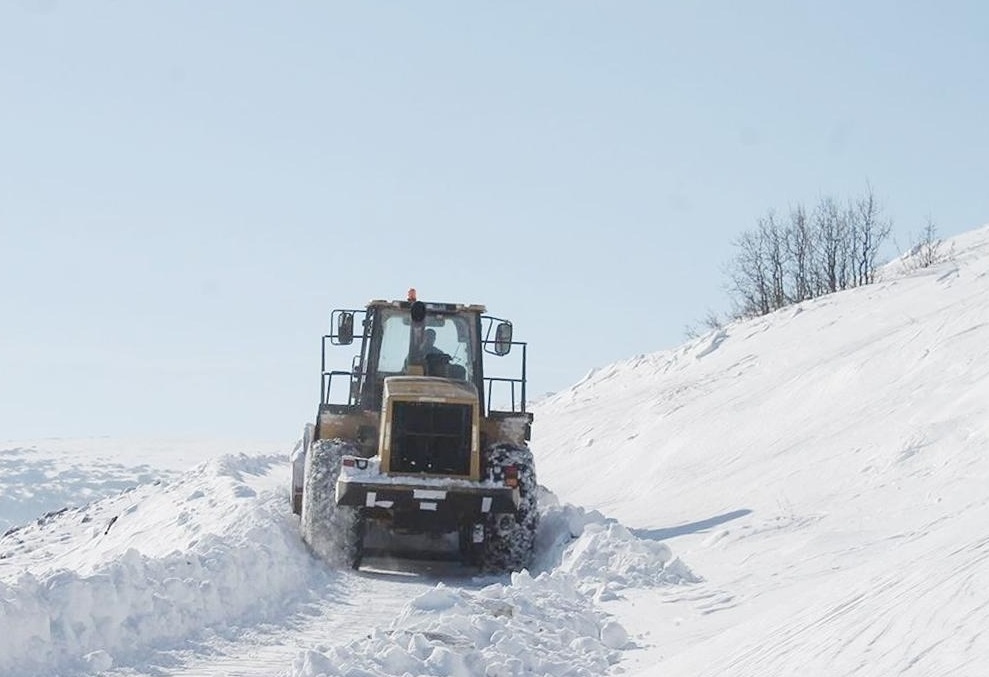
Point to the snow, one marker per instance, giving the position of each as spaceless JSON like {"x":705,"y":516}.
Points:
{"x":800,"y":493}
{"x":149,"y":569}
{"x":540,"y":626}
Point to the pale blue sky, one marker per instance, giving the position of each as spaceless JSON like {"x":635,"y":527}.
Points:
{"x":188,"y":188}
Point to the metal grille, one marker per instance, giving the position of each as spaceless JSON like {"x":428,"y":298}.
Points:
{"x":432,"y":438}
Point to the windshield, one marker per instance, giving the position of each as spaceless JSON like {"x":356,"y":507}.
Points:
{"x":443,"y":335}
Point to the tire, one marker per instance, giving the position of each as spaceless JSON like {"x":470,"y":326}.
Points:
{"x":509,"y":538}
{"x":334,"y":533}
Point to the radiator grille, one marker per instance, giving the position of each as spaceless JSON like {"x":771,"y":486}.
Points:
{"x":431,"y":438}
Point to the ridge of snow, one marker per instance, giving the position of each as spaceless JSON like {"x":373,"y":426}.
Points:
{"x":148,"y":566}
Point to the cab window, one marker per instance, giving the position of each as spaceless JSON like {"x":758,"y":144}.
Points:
{"x":453,"y":337}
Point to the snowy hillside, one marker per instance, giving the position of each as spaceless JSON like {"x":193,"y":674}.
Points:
{"x":804,"y":493}
{"x":825,"y":469}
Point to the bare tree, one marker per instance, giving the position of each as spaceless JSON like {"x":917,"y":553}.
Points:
{"x":800,"y":255}
{"x":710,"y":322}
{"x":834,"y":248}
{"x":749,"y":276}
{"x":829,"y":229}
{"x":772,"y":241}
{"x":926,"y":252}
{"x":869,"y":231}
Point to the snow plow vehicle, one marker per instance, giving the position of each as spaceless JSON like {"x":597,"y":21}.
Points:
{"x":413,"y":450}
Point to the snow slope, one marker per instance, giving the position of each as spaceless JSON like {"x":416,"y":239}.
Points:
{"x":800,"y":493}
{"x":825,"y":469}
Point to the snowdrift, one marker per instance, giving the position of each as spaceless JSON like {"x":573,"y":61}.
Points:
{"x":89,"y":588}
{"x":146,"y":567}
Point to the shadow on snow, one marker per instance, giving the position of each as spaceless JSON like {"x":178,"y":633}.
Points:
{"x":689,"y":528}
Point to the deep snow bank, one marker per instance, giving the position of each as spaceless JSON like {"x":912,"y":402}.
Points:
{"x":603,"y":555}
{"x":89,"y":587}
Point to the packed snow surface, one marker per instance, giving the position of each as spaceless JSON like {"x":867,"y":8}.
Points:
{"x":803,"y":493}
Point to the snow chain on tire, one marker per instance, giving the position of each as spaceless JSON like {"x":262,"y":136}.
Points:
{"x":332,"y":532}
{"x":510,"y":537}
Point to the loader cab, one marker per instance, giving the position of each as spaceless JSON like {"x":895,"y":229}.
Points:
{"x":442,"y":344}
{"x":409,"y":338}
{"x":394,"y":339}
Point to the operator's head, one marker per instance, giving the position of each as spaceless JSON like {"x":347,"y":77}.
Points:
{"x":430,"y":337}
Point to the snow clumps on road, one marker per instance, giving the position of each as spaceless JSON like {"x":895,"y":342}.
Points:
{"x":545,"y":624}
{"x":541,"y":626}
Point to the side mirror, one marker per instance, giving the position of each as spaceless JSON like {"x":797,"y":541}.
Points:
{"x":345,"y":329}
{"x":503,"y":338}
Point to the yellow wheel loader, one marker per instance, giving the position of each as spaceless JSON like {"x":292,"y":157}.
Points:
{"x":407,"y":447}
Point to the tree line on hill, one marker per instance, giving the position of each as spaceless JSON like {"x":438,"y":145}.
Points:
{"x":807,"y":253}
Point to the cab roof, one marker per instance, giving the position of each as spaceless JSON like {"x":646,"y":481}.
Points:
{"x":430,"y":306}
